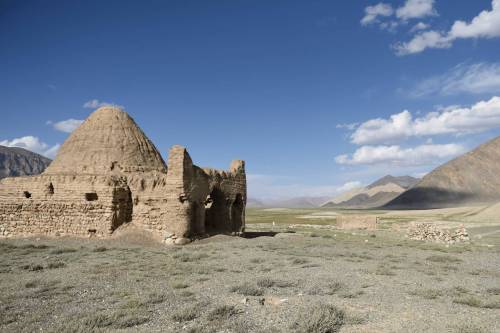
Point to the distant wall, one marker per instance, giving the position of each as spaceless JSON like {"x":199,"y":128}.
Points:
{"x":357,"y":222}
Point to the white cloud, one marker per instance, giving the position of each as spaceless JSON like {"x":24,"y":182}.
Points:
{"x":52,"y":151}
{"x":412,"y":9}
{"x":419,"y":26}
{"x":422,"y":41}
{"x":373,"y":12}
{"x":95,"y":103}
{"x":420,"y":174}
{"x":350,"y":126}
{"x":416,"y":9}
{"x":32,"y":143}
{"x":66,"y":126}
{"x":475,"y":79}
{"x":484,"y":25}
{"x":480,"y":117}
{"x":390,"y":26}
{"x":395,"y":155}
{"x":349,"y":186}
{"x":384,"y":130}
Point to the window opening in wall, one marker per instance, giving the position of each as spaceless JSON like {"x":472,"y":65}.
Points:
{"x":27,"y":194}
{"x":92,"y":196}
{"x":50,"y":189}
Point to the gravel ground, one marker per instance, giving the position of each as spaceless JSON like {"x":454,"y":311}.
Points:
{"x":293,"y":282}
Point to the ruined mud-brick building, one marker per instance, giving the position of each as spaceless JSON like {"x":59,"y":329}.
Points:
{"x":108,"y":174}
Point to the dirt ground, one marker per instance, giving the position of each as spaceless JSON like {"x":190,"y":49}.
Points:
{"x":301,"y":279}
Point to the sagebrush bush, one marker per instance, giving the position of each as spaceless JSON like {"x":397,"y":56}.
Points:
{"x":322,"y":318}
{"x":247,"y":290}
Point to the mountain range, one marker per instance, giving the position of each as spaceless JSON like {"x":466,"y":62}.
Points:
{"x":16,"y":161}
{"x":374,"y":195}
{"x":471,"y":178}
{"x":298,"y":202}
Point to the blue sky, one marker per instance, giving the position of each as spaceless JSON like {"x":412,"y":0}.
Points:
{"x":312,"y":94}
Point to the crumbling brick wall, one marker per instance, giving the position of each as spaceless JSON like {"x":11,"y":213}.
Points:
{"x":202,"y":201}
{"x":63,"y":205}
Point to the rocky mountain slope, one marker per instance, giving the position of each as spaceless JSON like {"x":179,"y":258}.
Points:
{"x":374,"y":195}
{"x":404,"y":181}
{"x":21,"y":162}
{"x":471,"y":178}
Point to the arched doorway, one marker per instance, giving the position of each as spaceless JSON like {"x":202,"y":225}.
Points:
{"x":216,"y":212}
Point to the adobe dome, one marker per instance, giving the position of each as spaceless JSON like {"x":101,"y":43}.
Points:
{"x":109,"y":140}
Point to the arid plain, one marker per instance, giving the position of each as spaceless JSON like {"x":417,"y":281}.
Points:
{"x":296,"y":272}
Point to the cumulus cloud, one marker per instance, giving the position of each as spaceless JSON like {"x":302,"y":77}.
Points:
{"x":372,"y":13}
{"x":416,"y":9}
{"x":396,"y":155}
{"x":34,"y":144}
{"x":465,"y":78}
{"x":412,"y":9}
{"x":66,"y":126}
{"x":480,"y":117}
{"x":349,"y":186}
{"x":420,"y":26}
{"x":95,"y":103}
{"x":52,"y":151}
{"x":484,"y":25}
{"x":422,"y":41}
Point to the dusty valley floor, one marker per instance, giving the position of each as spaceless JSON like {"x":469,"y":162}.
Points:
{"x":298,"y":274}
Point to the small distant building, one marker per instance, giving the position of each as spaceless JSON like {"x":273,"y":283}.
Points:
{"x":108,"y":173}
{"x":368,"y":222}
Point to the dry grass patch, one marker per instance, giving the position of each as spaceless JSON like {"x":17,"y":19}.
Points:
{"x":186,"y":314}
{"x":269,"y":283}
{"x":63,"y":250}
{"x":493,"y":291}
{"x":427,"y":293}
{"x":322,"y":318}
{"x":382,"y":270}
{"x":443,"y":259}
{"x":116,"y":320}
{"x":247,"y":290}
{"x":470,"y":328}
{"x":180,"y":285}
{"x":56,"y":264}
{"x":223,"y":312}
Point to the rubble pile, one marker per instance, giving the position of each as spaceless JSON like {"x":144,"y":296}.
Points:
{"x":432,"y":233}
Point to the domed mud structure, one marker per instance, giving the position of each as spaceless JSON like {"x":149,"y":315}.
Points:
{"x":109,"y":139}
{"x":108,"y":173}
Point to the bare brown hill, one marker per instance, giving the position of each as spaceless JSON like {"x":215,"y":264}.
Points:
{"x":16,"y":161}
{"x":471,"y":178}
{"x":374,"y":195}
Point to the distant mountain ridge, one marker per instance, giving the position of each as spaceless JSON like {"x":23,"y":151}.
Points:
{"x":374,"y":195}
{"x":298,"y":202}
{"x":471,"y":178}
{"x":404,"y":181}
{"x":16,"y":161}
